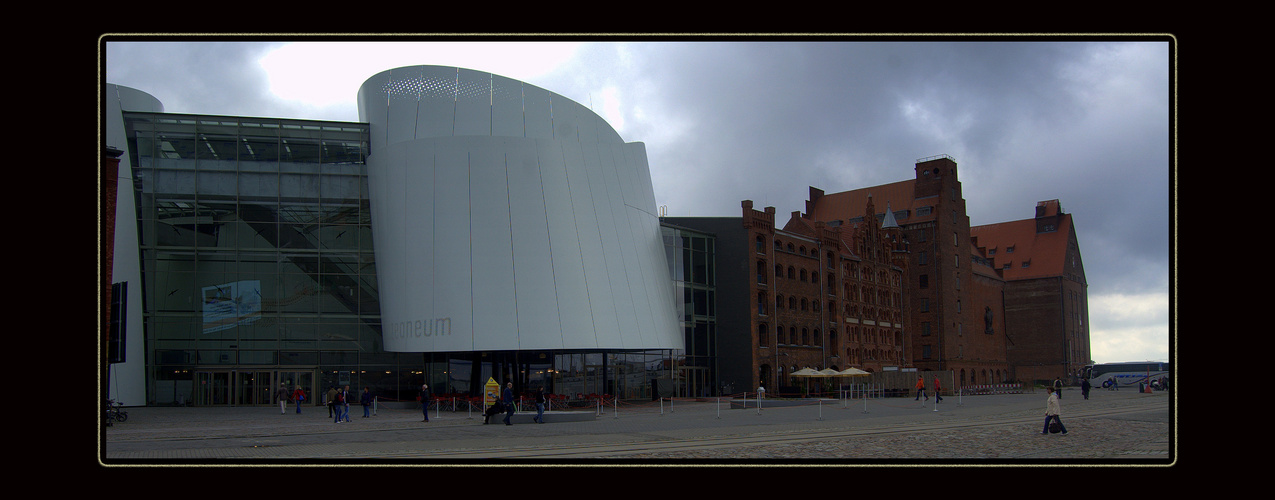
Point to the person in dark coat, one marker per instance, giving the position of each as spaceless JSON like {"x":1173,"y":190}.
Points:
{"x":366,"y":401}
{"x":540,"y":406}
{"x":425,"y":397}
{"x":1084,"y":388}
{"x":508,"y":398}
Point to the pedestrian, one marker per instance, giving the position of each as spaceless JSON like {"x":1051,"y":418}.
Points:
{"x":938,"y":394}
{"x":330,"y":398}
{"x":1058,"y":387}
{"x":1084,"y":388}
{"x":284,"y":397}
{"x":540,"y":406}
{"x":425,"y":397}
{"x":761,"y":391}
{"x":346,"y":399}
{"x":1052,"y":411}
{"x":366,"y":401}
{"x":508,"y":399}
{"x":920,"y":388}
{"x":298,"y":396}
{"x":337,"y":401}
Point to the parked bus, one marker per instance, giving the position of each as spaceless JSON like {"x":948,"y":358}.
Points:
{"x":1102,"y":375}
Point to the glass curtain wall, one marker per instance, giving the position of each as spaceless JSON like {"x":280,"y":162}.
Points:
{"x":692,"y":264}
{"x":257,"y":259}
{"x":258,"y":270}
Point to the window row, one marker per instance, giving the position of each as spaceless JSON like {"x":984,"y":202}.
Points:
{"x":791,"y":336}
{"x":792,"y":273}
{"x":797,"y":249}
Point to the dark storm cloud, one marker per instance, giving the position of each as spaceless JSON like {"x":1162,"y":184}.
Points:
{"x":214,"y":77}
{"x":1084,"y":123}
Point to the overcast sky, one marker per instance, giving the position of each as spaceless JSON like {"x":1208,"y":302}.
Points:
{"x":1086,"y":122}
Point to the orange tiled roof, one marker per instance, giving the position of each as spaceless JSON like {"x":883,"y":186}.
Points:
{"x":897,"y":196}
{"x":1017,"y":242}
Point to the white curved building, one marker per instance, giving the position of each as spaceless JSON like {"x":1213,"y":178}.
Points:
{"x":508,"y":217}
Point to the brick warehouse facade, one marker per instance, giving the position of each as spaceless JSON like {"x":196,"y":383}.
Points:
{"x":1046,"y":293}
{"x":989,"y":317}
{"x":825,"y":296}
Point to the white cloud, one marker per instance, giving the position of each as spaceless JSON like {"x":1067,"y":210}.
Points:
{"x":1127,"y":327}
{"x":321,"y":74}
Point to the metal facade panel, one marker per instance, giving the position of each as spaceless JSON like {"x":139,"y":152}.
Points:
{"x":418,"y":239}
{"x":495,"y":308}
{"x":452,"y":263}
{"x":400,"y":124}
{"x":374,"y":108}
{"x":473,"y":103}
{"x":528,"y":225}
{"x":385,"y":173}
{"x":537,"y":112}
{"x":573,"y":299}
{"x":506,"y":108}
{"x":534,"y":285}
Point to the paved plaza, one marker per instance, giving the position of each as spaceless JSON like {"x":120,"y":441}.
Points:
{"x":1111,"y":427}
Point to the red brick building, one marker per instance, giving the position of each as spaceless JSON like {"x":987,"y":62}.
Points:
{"x":965,"y":311}
{"x":1046,"y":297}
{"x":825,"y":296}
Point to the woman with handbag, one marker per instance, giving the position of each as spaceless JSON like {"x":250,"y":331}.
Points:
{"x":1052,"y":411}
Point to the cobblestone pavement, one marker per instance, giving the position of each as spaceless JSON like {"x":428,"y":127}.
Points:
{"x":1085,"y":440}
{"x":983,"y":428}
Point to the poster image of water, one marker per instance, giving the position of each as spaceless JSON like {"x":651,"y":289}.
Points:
{"x":231,"y":304}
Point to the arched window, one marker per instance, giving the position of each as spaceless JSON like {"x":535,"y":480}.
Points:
{"x":805,"y":337}
{"x":779,"y":302}
{"x":763,"y":335}
{"x":761,"y":271}
{"x":761,"y":244}
{"x":803,"y":275}
{"x":792,"y":273}
{"x":779,"y":334}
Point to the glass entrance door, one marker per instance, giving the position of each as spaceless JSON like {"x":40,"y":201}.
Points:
{"x":253,"y":387}
{"x":212,"y":388}
{"x":303,"y":378}
{"x":693,"y":382}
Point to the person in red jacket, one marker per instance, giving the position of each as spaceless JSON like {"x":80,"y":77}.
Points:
{"x":937,"y":392}
{"x":920,"y":388}
{"x":298,"y":395}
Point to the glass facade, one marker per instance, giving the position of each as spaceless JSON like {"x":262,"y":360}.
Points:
{"x":692,"y":264}
{"x":257,"y":266}
{"x":258,"y":270}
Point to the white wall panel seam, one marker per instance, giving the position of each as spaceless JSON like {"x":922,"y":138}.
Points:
{"x":513,"y":263}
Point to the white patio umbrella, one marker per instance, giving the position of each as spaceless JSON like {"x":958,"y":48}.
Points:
{"x":806,"y":372}
{"x":852,"y":372}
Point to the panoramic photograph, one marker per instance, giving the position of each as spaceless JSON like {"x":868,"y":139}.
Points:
{"x":809,"y":250}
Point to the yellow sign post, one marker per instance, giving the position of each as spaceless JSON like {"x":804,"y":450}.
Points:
{"x":491,"y":393}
